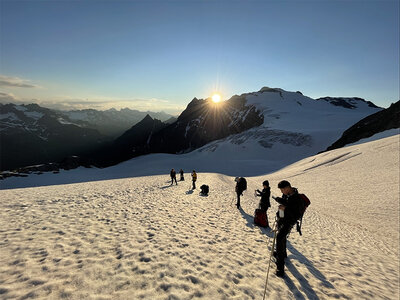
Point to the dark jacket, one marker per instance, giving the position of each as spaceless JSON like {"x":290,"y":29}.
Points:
{"x":293,"y":207}
{"x":173,"y":174}
{"x":265,"y":194}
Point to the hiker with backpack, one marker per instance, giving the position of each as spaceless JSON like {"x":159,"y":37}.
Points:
{"x":291,"y":209}
{"x":194,"y":178}
{"x":173,"y":177}
{"x":181,"y":172}
{"x":261,"y":217}
{"x":241,"y":186}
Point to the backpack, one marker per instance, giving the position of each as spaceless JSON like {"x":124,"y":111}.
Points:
{"x":306,"y":203}
{"x":204,"y":189}
{"x":260,"y":218}
{"x":242,"y":184}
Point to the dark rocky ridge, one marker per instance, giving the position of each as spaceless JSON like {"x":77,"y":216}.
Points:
{"x":383,"y":120}
{"x":68,"y":163}
{"x":203,"y":121}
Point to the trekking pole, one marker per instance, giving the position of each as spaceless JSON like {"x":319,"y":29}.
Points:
{"x":273,"y":228}
{"x":269,"y":263}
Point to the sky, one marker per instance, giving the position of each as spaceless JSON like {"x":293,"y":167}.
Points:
{"x":159,"y":55}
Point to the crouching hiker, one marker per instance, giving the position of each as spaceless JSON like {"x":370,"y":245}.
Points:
{"x":290,"y":210}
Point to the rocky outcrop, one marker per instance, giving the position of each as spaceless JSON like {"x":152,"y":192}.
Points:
{"x":378,"y":122}
{"x":350,"y":103}
{"x":204,"y":121}
{"x":68,"y":163}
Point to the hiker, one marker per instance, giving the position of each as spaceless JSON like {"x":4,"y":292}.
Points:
{"x":241,"y":186}
{"x":173,"y":177}
{"x":181,"y":172}
{"x":264,"y":201}
{"x":289,"y":212}
{"x":194,"y":178}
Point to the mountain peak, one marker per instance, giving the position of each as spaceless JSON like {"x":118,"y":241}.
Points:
{"x":147,"y":118}
{"x":270,"y":90}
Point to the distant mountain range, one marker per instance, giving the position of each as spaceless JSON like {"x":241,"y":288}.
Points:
{"x":112,"y":122}
{"x":201,"y":122}
{"x":267,"y":127}
{"x":31,"y":134}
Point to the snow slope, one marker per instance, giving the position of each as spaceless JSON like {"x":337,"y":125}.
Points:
{"x":295,"y":126}
{"x":140,"y":238}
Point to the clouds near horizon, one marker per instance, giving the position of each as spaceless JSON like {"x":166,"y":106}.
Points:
{"x":78,"y":103}
{"x":154,"y":105}
{"x":15,"y":82}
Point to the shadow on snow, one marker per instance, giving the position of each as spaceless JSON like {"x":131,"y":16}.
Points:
{"x":295,"y":255}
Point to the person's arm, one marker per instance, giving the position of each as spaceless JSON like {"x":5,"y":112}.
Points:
{"x":259,"y":193}
{"x":280,"y":200}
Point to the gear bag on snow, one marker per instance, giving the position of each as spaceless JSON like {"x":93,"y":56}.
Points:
{"x":306,"y":203}
{"x":204,"y":189}
{"x":260,"y":218}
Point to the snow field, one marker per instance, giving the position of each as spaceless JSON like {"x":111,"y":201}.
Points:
{"x":141,"y":238}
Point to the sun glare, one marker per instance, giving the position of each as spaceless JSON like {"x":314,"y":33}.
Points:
{"x":216,"y":98}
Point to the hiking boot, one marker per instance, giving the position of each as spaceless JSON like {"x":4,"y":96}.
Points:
{"x":280,"y":273}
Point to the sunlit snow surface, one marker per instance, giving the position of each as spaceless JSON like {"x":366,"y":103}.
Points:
{"x":141,"y":238}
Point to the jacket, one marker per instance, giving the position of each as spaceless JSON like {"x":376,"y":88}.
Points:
{"x":293,"y":207}
{"x":265,"y":194}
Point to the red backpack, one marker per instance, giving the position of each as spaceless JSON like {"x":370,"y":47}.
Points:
{"x":306,"y":201}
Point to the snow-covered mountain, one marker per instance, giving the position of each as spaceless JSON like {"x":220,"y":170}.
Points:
{"x":294,"y":126}
{"x":31,"y":134}
{"x":272,"y":126}
{"x":112,"y":122}
{"x":270,"y":123}
{"x":346,"y":102}
{"x":141,"y":238}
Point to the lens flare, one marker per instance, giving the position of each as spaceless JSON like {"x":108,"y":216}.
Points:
{"x":216,"y":98}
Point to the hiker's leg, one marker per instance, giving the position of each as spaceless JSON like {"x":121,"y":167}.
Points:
{"x":238,"y":200}
{"x":281,"y":246}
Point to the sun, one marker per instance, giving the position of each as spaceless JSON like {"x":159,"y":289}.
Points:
{"x":216,"y":98}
